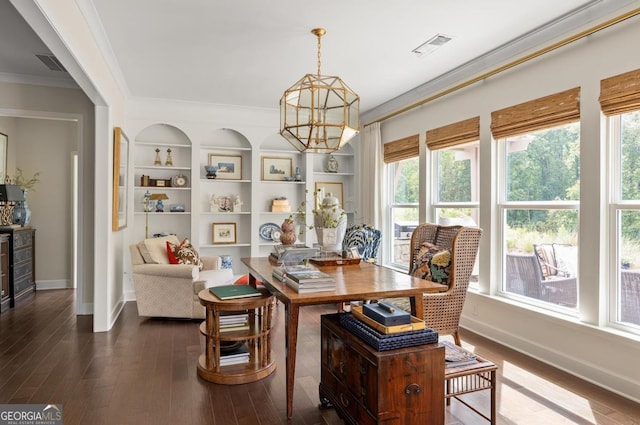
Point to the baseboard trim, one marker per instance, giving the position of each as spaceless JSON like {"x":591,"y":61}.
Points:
{"x":43,"y":285}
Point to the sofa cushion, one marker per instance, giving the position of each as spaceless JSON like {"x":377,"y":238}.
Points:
{"x":154,"y":250}
{"x":183,"y":253}
{"x":547,"y":259}
{"x":433,"y":263}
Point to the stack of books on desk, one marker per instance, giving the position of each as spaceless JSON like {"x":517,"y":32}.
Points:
{"x":304,"y":279}
{"x":234,"y":322}
{"x":239,"y":355}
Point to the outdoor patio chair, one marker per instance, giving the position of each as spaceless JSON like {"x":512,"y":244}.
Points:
{"x":524,"y":277}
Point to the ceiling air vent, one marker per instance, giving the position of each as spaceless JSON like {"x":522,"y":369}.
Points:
{"x":51,"y":62}
{"x":432,"y":44}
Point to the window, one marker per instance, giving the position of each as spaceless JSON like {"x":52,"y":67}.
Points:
{"x":619,"y":98}
{"x":539,"y":200}
{"x":403,"y":169}
{"x":455,"y":186}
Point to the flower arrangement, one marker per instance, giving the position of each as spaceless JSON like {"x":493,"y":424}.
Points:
{"x":322,"y":217}
{"x":24,"y":182}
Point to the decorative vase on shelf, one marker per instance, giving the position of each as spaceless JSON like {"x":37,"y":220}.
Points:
{"x":211,"y":171}
{"x":288,"y":235}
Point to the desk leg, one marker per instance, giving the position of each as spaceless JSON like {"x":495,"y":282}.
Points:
{"x":417,"y":306}
{"x":291,"y":328}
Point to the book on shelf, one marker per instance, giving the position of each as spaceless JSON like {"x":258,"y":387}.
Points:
{"x":229,"y":292}
{"x":455,"y":356}
{"x":304,"y":288}
{"x":236,"y":356}
{"x":234,"y":322}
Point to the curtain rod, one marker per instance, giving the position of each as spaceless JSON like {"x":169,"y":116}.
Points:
{"x":509,"y":65}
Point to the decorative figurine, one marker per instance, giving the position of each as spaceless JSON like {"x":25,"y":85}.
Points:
{"x":157,"y":161}
{"x":169,"y":161}
{"x":237,"y":205}
{"x":297,"y":176}
{"x":332,"y":164}
{"x":213,"y":204}
{"x":159,"y":206}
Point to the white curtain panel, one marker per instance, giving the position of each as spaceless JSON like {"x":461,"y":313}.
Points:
{"x":371,"y":173}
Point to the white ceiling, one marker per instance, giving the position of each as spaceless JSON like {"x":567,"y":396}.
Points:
{"x":247,"y":52}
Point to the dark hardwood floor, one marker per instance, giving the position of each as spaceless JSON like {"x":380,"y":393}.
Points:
{"x":144,"y":372}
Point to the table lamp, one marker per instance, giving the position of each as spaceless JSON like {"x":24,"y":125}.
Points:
{"x":148,"y":197}
{"x":12,"y":194}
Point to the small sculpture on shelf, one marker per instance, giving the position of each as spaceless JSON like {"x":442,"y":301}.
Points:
{"x":157,"y":160}
{"x":169,"y":161}
{"x":297,"y":176}
{"x":237,"y":204}
{"x":332,"y":164}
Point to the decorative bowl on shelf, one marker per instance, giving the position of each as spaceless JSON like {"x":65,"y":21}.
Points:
{"x":211,"y":171}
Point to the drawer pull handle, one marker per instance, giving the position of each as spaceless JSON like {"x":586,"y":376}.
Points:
{"x":412,"y":387}
{"x":344,"y":400}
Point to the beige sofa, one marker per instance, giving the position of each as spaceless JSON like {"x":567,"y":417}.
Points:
{"x":171,"y":290}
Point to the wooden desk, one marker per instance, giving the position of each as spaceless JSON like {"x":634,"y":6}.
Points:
{"x":359,"y":282}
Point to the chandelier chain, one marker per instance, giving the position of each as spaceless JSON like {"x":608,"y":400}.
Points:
{"x":319,"y":46}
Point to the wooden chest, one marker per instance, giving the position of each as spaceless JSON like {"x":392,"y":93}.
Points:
{"x":402,"y":386}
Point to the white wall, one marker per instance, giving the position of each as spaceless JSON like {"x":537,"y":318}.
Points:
{"x":576,"y":344}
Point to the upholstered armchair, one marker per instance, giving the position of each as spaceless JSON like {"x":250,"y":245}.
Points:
{"x":365,"y":238}
{"x":442,"y":310}
{"x":171,"y":290}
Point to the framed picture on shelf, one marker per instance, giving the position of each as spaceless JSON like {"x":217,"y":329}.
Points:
{"x":229,"y":166}
{"x":325,"y":188}
{"x":222,"y":233}
{"x":276,"y":168}
{"x":120,"y":183}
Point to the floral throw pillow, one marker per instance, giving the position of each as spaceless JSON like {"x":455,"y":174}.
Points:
{"x":433,"y":263}
{"x":184,"y":253}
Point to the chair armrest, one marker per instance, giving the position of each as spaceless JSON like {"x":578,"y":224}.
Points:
{"x":184,"y":271}
{"x":212,"y":262}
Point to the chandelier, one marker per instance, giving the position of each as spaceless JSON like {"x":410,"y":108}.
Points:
{"x":319,"y":113}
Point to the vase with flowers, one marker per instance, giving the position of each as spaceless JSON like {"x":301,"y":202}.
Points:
{"x":21,"y":211}
{"x":329,"y":220}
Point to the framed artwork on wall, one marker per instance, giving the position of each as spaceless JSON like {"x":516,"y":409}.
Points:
{"x":120,"y":179}
{"x":223,"y":233}
{"x":229,"y":167}
{"x":276,"y":168}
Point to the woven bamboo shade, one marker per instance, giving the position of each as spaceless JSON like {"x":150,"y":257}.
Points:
{"x":454,"y":134}
{"x":402,"y":149}
{"x":620,"y":93}
{"x":545,"y":112}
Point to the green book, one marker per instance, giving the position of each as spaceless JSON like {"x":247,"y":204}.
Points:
{"x":228,"y":292}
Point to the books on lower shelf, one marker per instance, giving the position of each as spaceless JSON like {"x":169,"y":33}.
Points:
{"x":229,"y":292}
{"x":239,"y":355}
{"x":455,"y":356}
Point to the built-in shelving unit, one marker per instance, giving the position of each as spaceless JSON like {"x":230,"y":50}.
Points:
{"x":245,"y":194}
{"x":166,"y":143}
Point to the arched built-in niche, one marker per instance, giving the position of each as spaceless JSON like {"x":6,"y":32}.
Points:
{"x":162,"y":167}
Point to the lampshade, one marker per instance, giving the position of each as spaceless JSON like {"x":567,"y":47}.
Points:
{"x":158,"y":197}
{"x":319,"y":113}
{"x":11,"y":193}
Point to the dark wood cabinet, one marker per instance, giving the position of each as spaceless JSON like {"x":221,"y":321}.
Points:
{"x":5,"y":298}
{"x":402,"y":386}
{"x":21,"y":261}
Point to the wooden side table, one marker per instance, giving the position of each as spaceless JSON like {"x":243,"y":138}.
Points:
{"x":471,"y":378}
{"x":257,"y":338}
